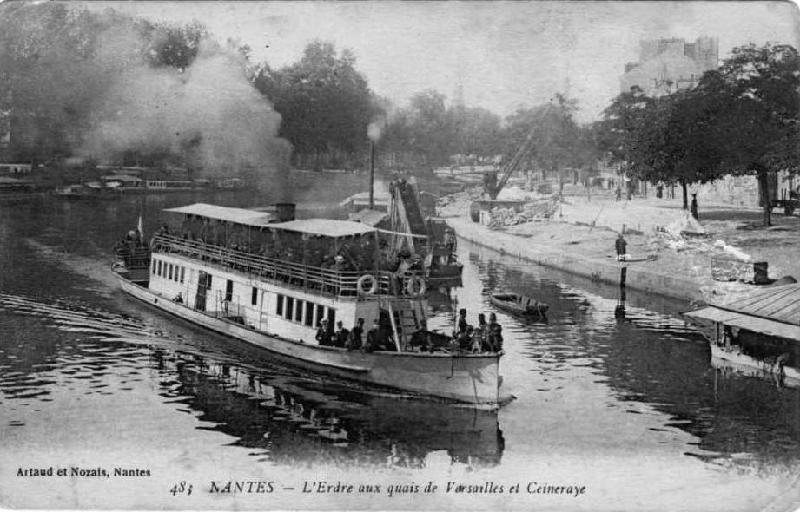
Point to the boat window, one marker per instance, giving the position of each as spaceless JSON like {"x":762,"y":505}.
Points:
{"x":160,"y":268}
{"x":229,"y":291}
{"x":320,"y":314}
{"x":183,"y":273}
{"x":169,"y":271}
{"x":279,"y":305}
{"x":254,"y":297}
{"x":289,"y":307}
{"x":331,"y":316}
{"x":309,"y":314}
{"x":298,"y":311}
{"x":153,"y":267}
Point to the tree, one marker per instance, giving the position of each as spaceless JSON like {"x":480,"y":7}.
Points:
{"x":476,"y":131}
{"x":325,"y":103}
{"x":617,"y":133}
{"x":672,"y":142}
{"x":753,"y":107}
{"x":429,"y":132}
{"x":556,"y":139}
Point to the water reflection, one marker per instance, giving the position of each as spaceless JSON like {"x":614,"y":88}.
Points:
{"x":652,"y":359}
{"x":289,"y":420}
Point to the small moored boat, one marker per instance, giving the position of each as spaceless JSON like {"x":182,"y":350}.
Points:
{"x":519,"y":304}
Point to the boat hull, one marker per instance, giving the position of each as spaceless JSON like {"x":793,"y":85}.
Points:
{"x":747,"y":365}
{"x":516,"y":308}
{"x":469,"y":378}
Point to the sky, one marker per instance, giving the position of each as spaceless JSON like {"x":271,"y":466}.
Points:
{"x":504,"y":55}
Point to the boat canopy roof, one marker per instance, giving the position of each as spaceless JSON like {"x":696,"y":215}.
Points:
{"x":120,"y":177}
{"x":325,"y":227}
{"x":779,"y":303}
{"x":226,"y":213}
{"x":748,"y":322}
{"x":253,"y":218}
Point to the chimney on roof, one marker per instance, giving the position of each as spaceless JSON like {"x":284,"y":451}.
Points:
{"x":284,"y":211}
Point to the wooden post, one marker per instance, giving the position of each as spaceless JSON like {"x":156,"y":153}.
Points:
{"x":619,"y":311}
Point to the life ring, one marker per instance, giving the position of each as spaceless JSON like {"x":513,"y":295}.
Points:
{"x":367,"y":284}
{"x":415,"y":286}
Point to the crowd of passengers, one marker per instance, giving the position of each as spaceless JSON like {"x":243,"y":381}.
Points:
{"x":354,"y":254}
{"x":357,"y":254}
{"x":485,"y":337}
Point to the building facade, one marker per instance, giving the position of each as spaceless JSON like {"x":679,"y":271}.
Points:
{"x":671,"y":64}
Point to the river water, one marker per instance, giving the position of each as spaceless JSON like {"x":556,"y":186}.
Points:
{"x":627,"y":413}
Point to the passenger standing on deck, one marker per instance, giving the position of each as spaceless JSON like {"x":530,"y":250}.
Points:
{"x":373,"y":337}
{"x":323,"y":334}
{"x":340,"y":335}
{"x":355,"y":340}
{"x":621,"y":246}
{"x":480,"y":337}
{"x":462,"y":322}
{"x":495,"y":333}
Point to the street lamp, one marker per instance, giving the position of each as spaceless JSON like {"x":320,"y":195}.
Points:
{"x":373,"y":133}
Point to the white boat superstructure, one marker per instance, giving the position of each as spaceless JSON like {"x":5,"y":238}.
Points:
{"x":273,"y":298}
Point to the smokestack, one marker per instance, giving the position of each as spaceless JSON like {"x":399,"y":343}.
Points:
{"x":284,"y":211}
{"x":371,"y":175}
{"x":374,"y":133}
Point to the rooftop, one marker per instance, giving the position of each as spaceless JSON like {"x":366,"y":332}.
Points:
{"x":315,"y":227}
{"x":225,"y":213}
{"x":779,"y":303}
{"x":325,"y":227}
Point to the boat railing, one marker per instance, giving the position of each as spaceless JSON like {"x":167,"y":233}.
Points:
{"x":321,"y":280}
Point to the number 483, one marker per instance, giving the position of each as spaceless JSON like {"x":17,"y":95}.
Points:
{"x":181,"y":488}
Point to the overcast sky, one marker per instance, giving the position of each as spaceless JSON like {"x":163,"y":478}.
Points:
{"x":504,"y":54}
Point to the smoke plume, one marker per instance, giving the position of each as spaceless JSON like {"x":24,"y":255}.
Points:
{"x":84,"y":85}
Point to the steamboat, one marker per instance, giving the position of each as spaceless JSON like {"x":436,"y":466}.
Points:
{"x":282,"y":284}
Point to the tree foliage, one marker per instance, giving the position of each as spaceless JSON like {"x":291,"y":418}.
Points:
{"x":556,"y":140}
{"x":325,"y":102}
{"x":740,"y":119}
{"x":754,"y":104}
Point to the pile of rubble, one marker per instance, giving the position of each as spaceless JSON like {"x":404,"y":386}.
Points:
{"x":530,"y":211}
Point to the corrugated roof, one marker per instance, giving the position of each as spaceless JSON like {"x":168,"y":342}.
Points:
{"x":325,"y":227}
{"x":744,"y":321}
{"x":121,"y":177}
{"x":779,"y":303}
{"x":225,"y":213}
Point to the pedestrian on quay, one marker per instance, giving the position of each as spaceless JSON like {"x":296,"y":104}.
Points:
{"x":621,"y":246}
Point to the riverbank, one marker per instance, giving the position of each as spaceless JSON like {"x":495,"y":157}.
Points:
{"x":666,"y":260}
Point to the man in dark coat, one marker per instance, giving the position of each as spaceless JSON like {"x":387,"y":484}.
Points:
{"x":621,"y":246}
{"x":495,"y":333}
{"x":355,"y":340}
{"x":340,"y":335}
{"x":324,"y":334}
